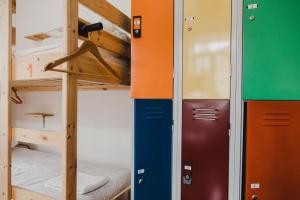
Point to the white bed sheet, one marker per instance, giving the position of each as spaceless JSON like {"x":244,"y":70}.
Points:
{"x":34,"y":168}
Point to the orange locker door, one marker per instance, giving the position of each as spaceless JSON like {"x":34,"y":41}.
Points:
{"x":272,"y":150}
{"x":152,"y":49}
{"x":206,"y":49}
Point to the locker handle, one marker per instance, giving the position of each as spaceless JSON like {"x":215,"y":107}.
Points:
{"x":141,"y":181}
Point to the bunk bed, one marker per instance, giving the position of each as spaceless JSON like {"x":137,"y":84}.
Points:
{"x":94,"y":60}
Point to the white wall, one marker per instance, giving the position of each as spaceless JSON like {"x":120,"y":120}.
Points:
{"x":104,"y":123}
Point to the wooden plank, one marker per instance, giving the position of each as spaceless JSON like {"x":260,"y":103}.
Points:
{"x":108,"y":41}
{"x":109,"y":12}
{"x":23,"y":194}
{"x":56,"y":85}
{"x":69,"y":104}
{"x":5,"y":122}
{"x":47,"y":138}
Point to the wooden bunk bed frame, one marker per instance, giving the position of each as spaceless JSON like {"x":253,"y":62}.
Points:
{"x":72,"y":80}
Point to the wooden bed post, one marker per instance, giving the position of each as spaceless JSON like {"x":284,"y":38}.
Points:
{"x":69,"y":106}
{"x":5,"y":121}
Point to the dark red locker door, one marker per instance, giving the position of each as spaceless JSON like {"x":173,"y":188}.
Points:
{"x":272,"y":150}
{"x":205,"y":150}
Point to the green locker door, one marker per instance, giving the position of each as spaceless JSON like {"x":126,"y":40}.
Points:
{"x":271,"y":68}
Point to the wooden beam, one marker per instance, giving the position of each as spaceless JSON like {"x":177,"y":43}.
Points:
{"x":24,"y":194}
{"x":48,"y":138}
{"x":56,"y":85}
{"x":108,"y":41}
{"x":109,"y":12}
{"x":5,"y":122}
{"x":69,"y":104}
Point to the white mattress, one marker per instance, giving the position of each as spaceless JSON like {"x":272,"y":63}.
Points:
{"x":31,"y":169}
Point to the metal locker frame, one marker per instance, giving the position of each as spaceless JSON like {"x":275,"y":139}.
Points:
{"x":153,"y":149}
{"x":236,"y":110}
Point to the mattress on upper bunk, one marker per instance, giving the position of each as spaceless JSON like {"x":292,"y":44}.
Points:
{"x":32,"y":169}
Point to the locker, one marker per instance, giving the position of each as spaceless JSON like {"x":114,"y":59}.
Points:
{"x":272,"y":150}
{"x":205,"y":150}
{"x":206,"y":49}
{"x":153,"y":149}
{"x":152,"y":49}
{"x":271,"y":50}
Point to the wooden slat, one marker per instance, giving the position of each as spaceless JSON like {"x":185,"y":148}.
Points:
{"x":48,"y":138}
{"x":109,"y":12}
{"x":69,"y":104}
{"x":108,"y":41}
{"x":5,"y":122}
{"x":56,"y":85}
{"x":23,"y":194}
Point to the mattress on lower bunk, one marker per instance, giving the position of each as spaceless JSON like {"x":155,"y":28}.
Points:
{"x":32,"y":169}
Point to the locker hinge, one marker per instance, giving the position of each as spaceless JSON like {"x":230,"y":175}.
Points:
{"x":229,"y":132}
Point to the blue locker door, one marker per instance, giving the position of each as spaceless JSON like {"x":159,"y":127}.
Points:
{"x":153,"y":149}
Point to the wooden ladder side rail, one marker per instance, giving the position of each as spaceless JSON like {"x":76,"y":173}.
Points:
{"x":69,"y":102}
{"x":109,"y":12}
{"x":5,"y":99}
{"x":87,"y":46}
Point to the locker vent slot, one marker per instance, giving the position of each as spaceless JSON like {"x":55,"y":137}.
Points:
{"x":205,"y":114}
{"x":276,"y":119}
{"x":154,"y":113}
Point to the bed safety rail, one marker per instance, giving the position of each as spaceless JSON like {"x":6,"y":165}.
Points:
{"x":47,"y":138}
{"x":23,"y":194}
